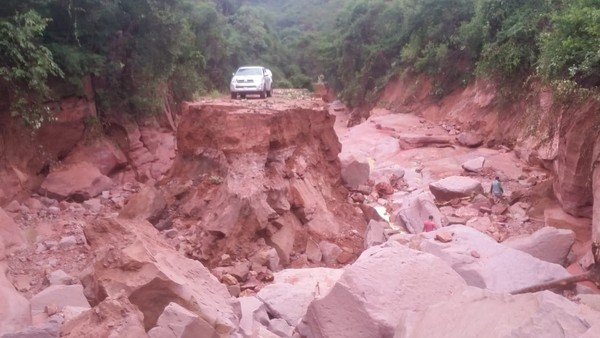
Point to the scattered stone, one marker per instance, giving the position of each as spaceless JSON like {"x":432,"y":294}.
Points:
{"x":33,"y":204}
{"x":548,"y":244}
{"x":281,"y":328}
{"x":234,"y":290}
{"x":355,"y":173}
{"x":46,"y":329}
{"x":53,"y":210}
{"x":253,"y":311}
{"x":469,"y":139}
{"x":70,"y":312}
{"x":13,"y":206}
{"x":415,"y":208}
{"x":294,"y":289}
{"x":443,"y":236}
{"x":80,"y":182}
{"x":474,"y":165}
{"x":67,"y":242}
{"x":226,"y":260}
{"x":475,"y":254}
{"x":51,"y":309}
{"x":500,"y":268}
{"x":113,"y":317}
{"x":384,"y":189}
{"x":375,"y":234}
{"x":93,"y":205}
{"x":481,"y":313}
{"x":357,"y":197}
{"x":371,"y":294}
{"x":59,"y":277}
{"x":330,"y":252}
{"x":179,"y":322}
{"x":455,"y":187}
{"x":59,"y":295}
{"x":228,"y":279}
{"x":313,"y":252}
{"x":11,"y":238}
{"x":171,"y":233}
{"x":147,"y":204}
{"x":345,"y":257}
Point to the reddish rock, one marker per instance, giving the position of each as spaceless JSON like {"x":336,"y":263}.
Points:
{"x":102,"y":154}
{"x":345,"y":257}
{"x":479,"y":313}
{"x":455,"y":187}
{"x":178,"y":322}
{"x":474,"y":165}
{"x":147,"y":204}
{"x":576,"y":159}
{"x":469,"y":139}
{"x":410,"y":141}
{"x":548,"y":244}
{"x":80,"y":182}
{"x":15,"y":311}
{"x":357,"y":197}
{"x":443,"y":236}
{"x":384,"y":188}
{"x":11,"y":238}
{"x":415,"y":208}
{"x":499,"y":268}
{"x":355,"y":173}
{"x":375,"y":234}
{"x":372,"y":292}
{"x":330,"y":252}
{"x":132,"y":257}
{"x":113,"y":317}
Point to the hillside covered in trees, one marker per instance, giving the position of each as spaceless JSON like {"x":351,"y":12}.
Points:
{"x":143,"y":54}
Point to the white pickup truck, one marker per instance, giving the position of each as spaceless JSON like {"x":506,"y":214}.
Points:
{"x":251,"y":80}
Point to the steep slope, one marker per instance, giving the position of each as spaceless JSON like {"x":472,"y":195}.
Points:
{"x":561,"y":135}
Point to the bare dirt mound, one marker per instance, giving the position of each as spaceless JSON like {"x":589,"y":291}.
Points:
{"x":254,"y":176}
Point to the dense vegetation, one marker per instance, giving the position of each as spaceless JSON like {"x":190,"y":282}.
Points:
{"x":144,"y":54}
{"x":139,"y":54}
{"x":456,"y":40}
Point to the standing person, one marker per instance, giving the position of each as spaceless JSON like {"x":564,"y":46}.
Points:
{"x":496,"y":189}
{"x":429,"y":225}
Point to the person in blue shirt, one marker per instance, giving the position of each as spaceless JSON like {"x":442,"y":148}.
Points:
{"x":496,"y":189}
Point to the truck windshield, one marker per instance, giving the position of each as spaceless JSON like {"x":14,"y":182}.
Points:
{"x":249,"y":71}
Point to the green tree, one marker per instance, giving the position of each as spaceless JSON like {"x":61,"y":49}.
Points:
{"x":26,"y":66}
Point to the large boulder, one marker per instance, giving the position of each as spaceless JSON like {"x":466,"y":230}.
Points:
{"x":480,"y":313}
{"x":113,"y":317}
{"x":57,"y":295}
{"x":147,"y":204}
{"x":355,"y":173}
{"x":415,"y":208}
{"x":132,"y":258}
{"x":178,"y":322}
{"x":253,"y":315}
{"x":289,"y":296}
{"x":469,"y":139}
{"x":548,"y":244}
{"x":556,"y":217}
{"x":455,"y":187}
{"x":484,"y":263}
{"x":474,"y":165}
{"x":372,"y":293}
{"x":151,"y":151}
{"x":375,"y":233}
{"x":11,"y":238}
{"x":102,"y":154}
{"x":80,"y":182}
{"x":15,"y":313}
